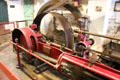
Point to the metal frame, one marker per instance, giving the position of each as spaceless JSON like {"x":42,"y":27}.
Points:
{"x":98,"y":68}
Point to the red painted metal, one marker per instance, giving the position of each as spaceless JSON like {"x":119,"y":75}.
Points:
{"x":33,"y":26}
{"x":3,"y":29}
{"x":7,"y":72}
{"x":26,"y":36}
{"x":54,"y":52}
{"x":18,"y":56}
{"x":27,"y":33}
{"x":98,"y":68}
{"x":84,"y":42}
{"x":30,"y":52}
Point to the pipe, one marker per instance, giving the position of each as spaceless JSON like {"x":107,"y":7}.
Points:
{"x":30,"y":52}
{"x":99,"y":35}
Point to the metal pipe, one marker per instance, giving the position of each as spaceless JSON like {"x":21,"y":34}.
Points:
{"x":112,"y":56}
{"x":2,"y":23}
{"x":49,"y":58}
{"x":30,"y":52}
{"x":99,"y":35}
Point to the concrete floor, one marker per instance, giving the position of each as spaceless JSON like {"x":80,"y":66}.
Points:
{"x":3,"y":76}
{"x":8,"y":57}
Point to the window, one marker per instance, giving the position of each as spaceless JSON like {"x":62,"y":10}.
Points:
{"x":117,"y":6}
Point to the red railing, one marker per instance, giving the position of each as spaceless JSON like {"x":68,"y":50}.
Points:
{"x":6,"y":73}
{"x":7,"y":27}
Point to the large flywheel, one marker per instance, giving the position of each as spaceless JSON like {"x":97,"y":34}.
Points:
{"x":61,"y":33}
{"x":63,"y":36}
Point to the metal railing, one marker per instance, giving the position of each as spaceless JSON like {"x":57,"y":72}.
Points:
{"x":7,"y":27}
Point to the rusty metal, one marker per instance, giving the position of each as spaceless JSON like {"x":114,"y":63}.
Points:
{"x":57,"y":5}
{"x":51,"y":5}
{"x":67,"y":29}
{"x":47,"y":7}
{"x":69,"y":38}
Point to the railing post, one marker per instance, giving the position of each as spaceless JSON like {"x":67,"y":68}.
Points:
{"x":17,"y":25}
{"x":13,"y":25}
{"x":18,"y":57}
{"x":26,"y":23}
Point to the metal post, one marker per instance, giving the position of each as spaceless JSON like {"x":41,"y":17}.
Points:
{"x":26,"y":23}
{"x":14,"y":25}
{"x":18,"y":56}
{"x":17,"y":24}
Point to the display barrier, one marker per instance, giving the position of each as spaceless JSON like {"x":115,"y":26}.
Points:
{"x":6,"y":73}
{"x":7,"y":27}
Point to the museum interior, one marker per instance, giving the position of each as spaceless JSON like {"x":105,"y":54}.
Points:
{"x":59,"y":39}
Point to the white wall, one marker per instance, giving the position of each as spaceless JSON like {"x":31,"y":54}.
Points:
{"x":103,"y":22}
{"x":114,"y":18}
{"x":16,"y":13}
{"x":97,"y":20}
{"x":113,"y":22}
{"x":38,"y":4}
